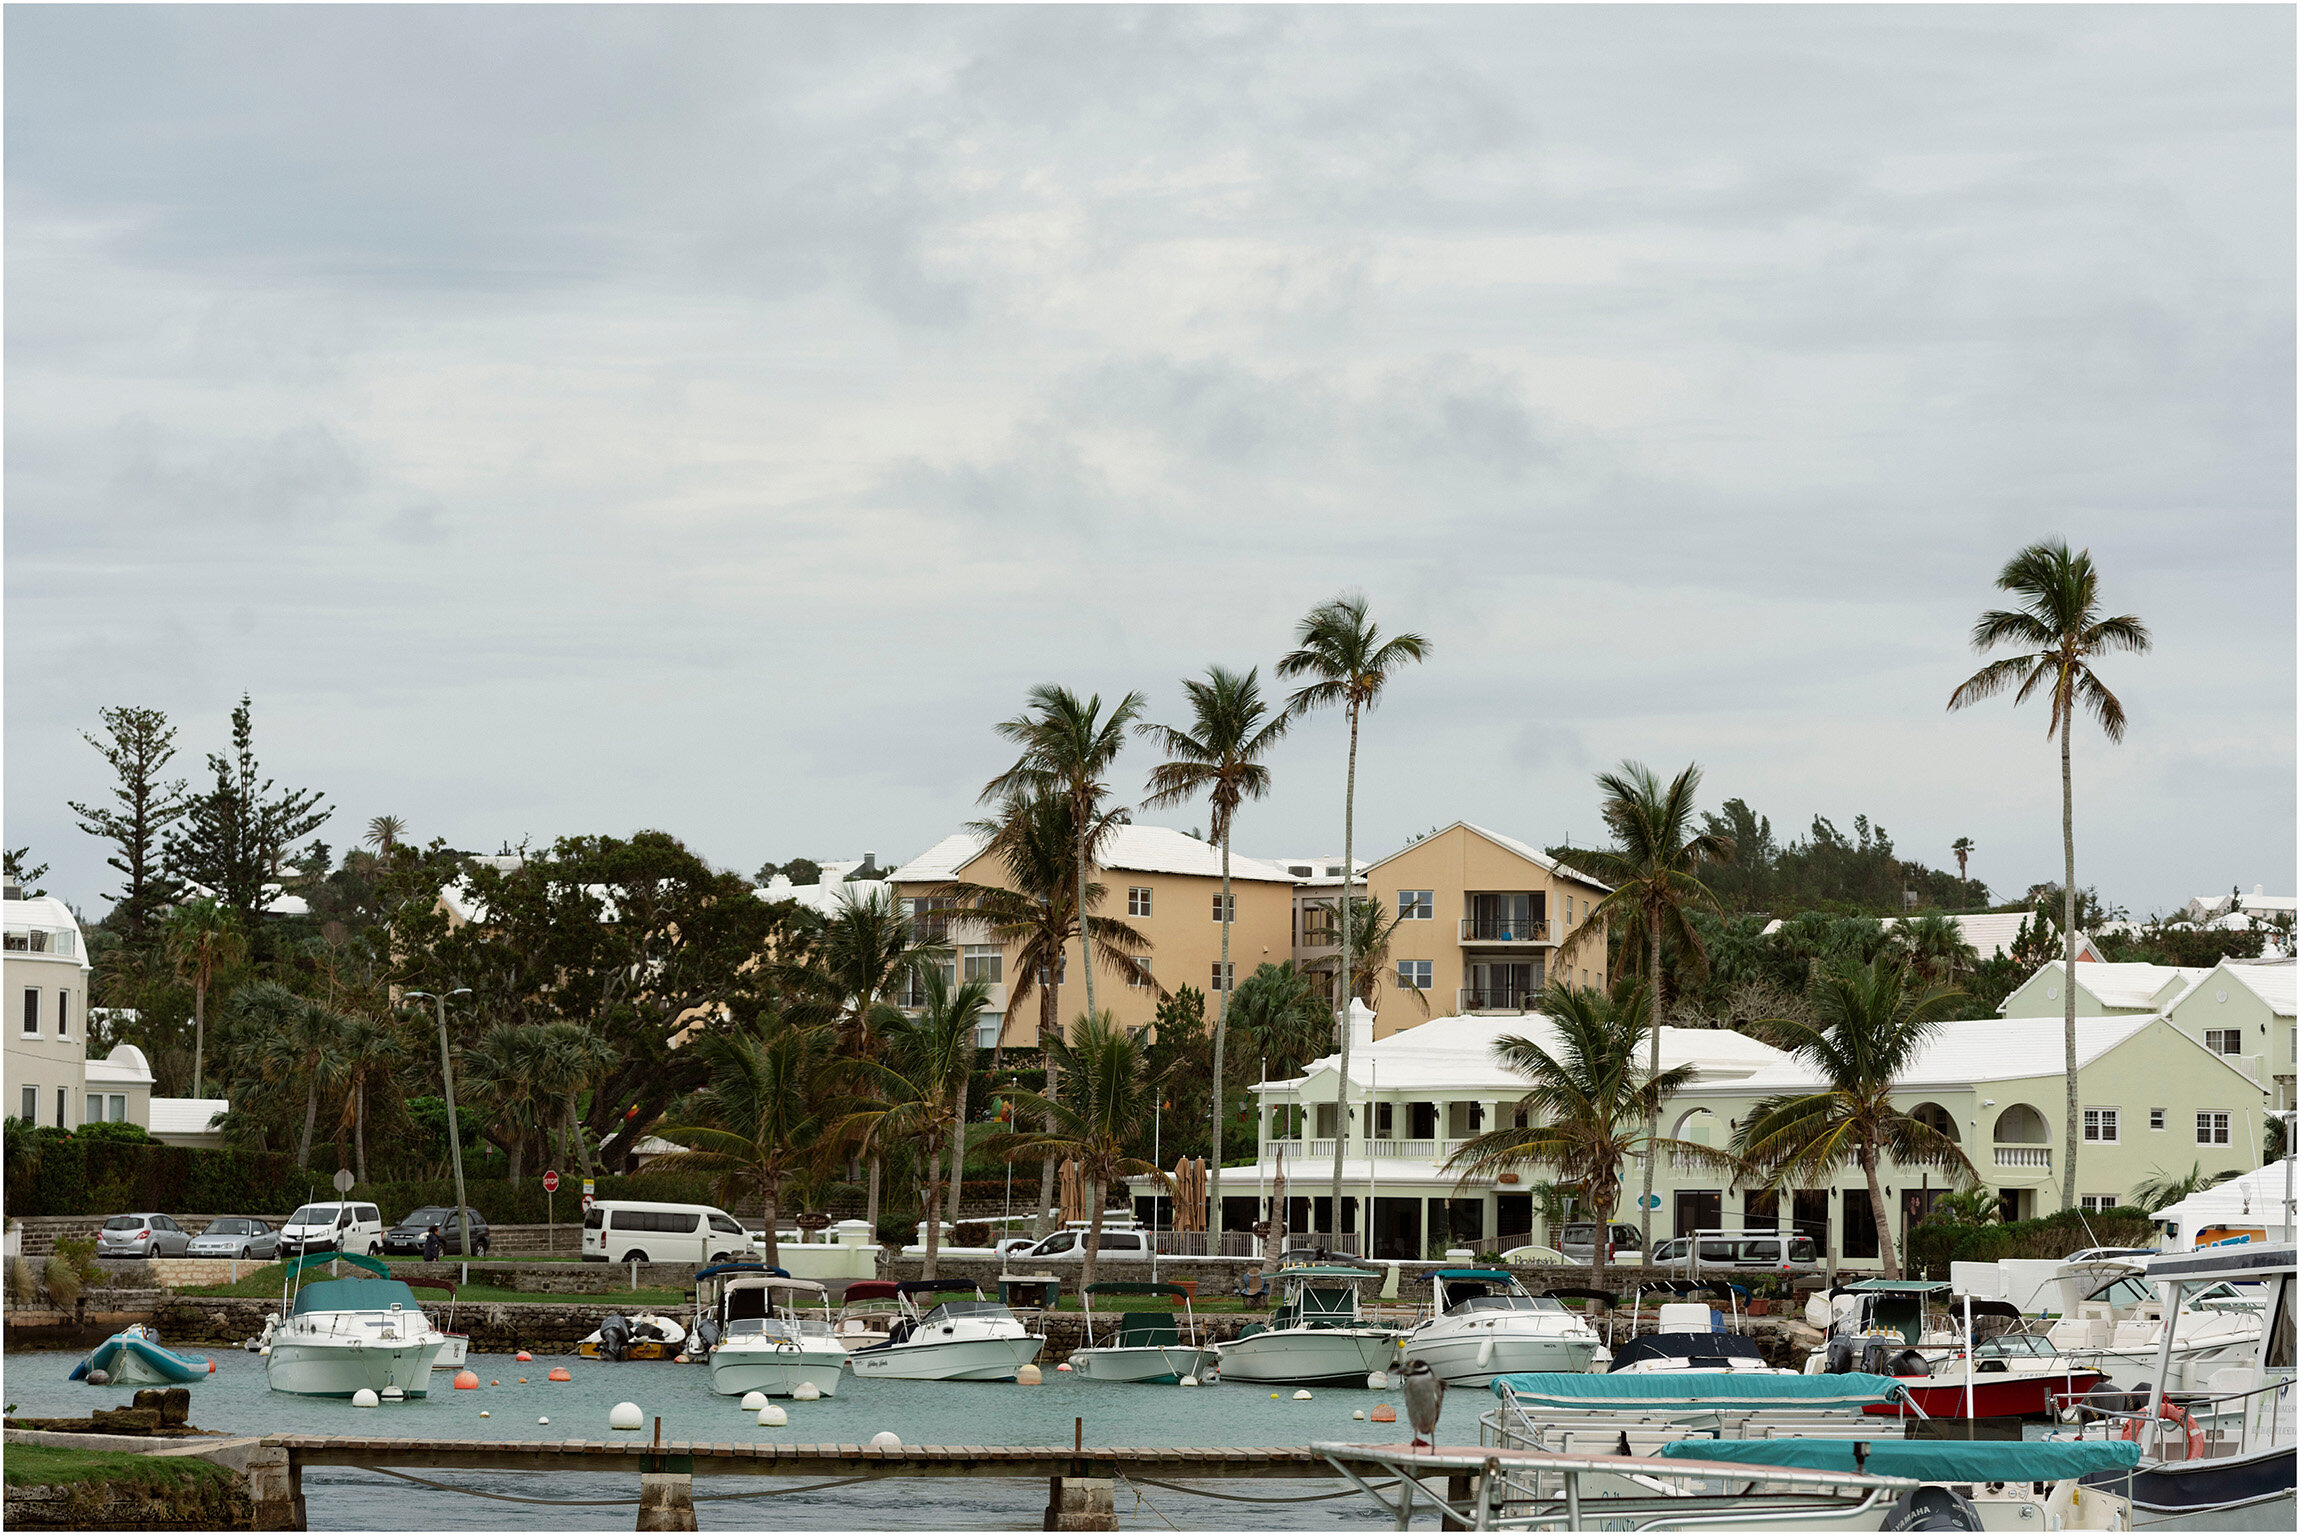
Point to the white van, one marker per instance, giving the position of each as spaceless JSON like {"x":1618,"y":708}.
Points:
{"x":1069,"y":1246}
{"x":348,"y":1227}
{"x":628,"y":1231}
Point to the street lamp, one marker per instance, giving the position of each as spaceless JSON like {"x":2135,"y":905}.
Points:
{"x":454,"y":1129}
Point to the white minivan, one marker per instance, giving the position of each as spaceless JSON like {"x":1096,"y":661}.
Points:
{"x":634,"y":1231}
{"x":347,"y":1227}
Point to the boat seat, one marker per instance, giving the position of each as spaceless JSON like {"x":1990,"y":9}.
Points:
{"x":2133,"y":1334}
{"x":1148,"y":1329}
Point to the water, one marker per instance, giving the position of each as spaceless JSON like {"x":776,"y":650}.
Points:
{"x":238,"y":1400}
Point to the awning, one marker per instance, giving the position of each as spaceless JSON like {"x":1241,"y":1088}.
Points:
{"x":1695,"y":1391}
{"x":1929,"y":1460}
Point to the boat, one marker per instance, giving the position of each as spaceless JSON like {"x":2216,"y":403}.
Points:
{"x":956,"y":1339}
{"x":1692,"y":1338}
{"x":1483,"y":1322}
{"x":2118,"y":1329}
{"x":1316,"y":1334}
{"x":756,"y":1337}
{"x":868,"y":1312}
{"x":342,"y":1336}
{"x":133,"y":1357}
{"x":1142,"y":1346}
{"x":647,"y":1335}
{"x":1949,"y":1372}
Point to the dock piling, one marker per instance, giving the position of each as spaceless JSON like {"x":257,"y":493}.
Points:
{"x":275,"y":1489}
{"x":1081,"y":1503}
{"x":666,"y":1500}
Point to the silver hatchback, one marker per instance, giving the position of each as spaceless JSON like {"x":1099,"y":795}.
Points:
{"x":236,"y":1236}
{"x":145,"y":1234}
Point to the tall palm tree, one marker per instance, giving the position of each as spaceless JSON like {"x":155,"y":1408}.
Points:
{"x":762,"y":1115}
{"x":917,"y":1092}
{"x":383,"y":834}
{"x":1587,"y":1105}
{"x":203,"y":939}
{"x":1111,"y":1088}
{"x":370,"y":1050}
{"x":1651,"y":869}
{"x":1964,"y":848}
{"x":1869,"y":1023}
{"x":308,"y":1049}
{"x":1068,"y":747}
{"x":1220,"y":755}
{"x":1342,"y":653}
{"x":503,"y":1072}
{"x":869,"y":953}
{"x":2058,"y":624}
{"x":1282,"y":1017}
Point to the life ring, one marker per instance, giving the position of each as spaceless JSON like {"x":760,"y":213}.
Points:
{"x":2171,"y":1412}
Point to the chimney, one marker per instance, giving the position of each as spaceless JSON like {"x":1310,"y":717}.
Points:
{"x":1361,"y":1027}
{"x":870,"y":868}
{"x":11,"y":892}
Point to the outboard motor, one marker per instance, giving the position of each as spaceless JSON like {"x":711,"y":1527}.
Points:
{"x":614,"y":1337}
{"x":1933,"y":1508}
{"x":706,"y":1337}
{"x":1909,"y":1362}
{"x":1875,"y":1358}
{"x":2104,"y":1399}
{"x":1840,"y":1356}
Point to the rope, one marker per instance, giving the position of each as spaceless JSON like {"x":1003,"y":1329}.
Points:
{"x":1231,"y":1497}
{"x":505,"y":1497}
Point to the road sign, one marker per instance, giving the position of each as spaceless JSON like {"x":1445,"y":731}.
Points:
{"x":590,"y":1192}
{"x":550,"y":1183}
{"x":343,"y":1180}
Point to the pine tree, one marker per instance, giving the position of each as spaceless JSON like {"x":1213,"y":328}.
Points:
{"x":141,"y":745}
{"x":232,"y":837}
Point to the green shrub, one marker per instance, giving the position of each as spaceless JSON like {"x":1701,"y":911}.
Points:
{"x":123,"y":1130}
{"x":1934,"y":1245}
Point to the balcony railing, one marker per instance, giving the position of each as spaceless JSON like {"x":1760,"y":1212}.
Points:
{"x":2024,"y":1156}
{"x":1504,"y":930}
{"x":1421,"y":1150}
{"x":1498,"y":999}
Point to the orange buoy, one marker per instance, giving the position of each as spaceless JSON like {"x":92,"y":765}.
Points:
{"x":466,"y":1381}
{"x":495,"y":1383}
{"x":211,"y":1367}
{"x":1383,"y":1414}
{"x":559,"y":1374}
{"x":524,"y":1357}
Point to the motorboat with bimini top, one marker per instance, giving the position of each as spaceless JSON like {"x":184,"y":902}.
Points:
{"x":762,"y":1330}
{"x":1141,"y":1346}
{"x":1317,"y":1333}
{"x":968,"y":1337}
{"x":1691,"y":1338}
{"x":342,"y":1336}
{"x":1483,"y":1322}
{"x":2118,"y":1329}
{"x":133,"y":1357}
{"x":1948,"y":1370}
{"x":868,"y":1312}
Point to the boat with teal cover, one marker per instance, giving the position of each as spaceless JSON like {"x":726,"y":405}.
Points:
{"x":1928,"y":1460}
{"x":1695,"y":1391}
{"x":134,"y":1357}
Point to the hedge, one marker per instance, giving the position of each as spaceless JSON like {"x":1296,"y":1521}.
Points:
{"x":1933,"y":1246}
{"x":74,"y":1175}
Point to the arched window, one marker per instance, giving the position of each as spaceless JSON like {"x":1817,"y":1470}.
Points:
{"x":1700,"y":1127}
{"x":2022,"y":1125}
{"x":1936,"y":1117}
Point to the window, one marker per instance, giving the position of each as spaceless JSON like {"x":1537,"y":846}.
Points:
{"x":64,"y":1014}
{"x":1219,"y":913}
{"x":2211,"y":1129}
{"x":1414,"y":974}
{"x":987,"y":1029}
{"x":31,"y":1105}
{"x":31,"y":1009}
{"x":1385,"y":1119}
{"x":1061,"y":973}
{"x":119,"y":1108}
{"x":95,"y":1114}
{"x":2100,"y":1125}
{"x":1138,"y":900}
{"x":1415,"y":904}
{"x":726,"y":1224}
{"x":2156,"y":1119}
{"x":2095,"y":1203}
{"x":2224,"y":1041}
{"x":1138,"y":974}
{"x":63,"y":1107}
{"x":985,"y":962}
{"x":1223,"y":977}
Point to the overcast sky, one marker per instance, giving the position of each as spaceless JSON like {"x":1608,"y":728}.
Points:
{"x":584,"y":420}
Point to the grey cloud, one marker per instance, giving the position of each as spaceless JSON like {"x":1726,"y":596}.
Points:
{"x":300,"y":473}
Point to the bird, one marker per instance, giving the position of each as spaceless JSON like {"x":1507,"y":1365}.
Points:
{"x":1425,"y":1397}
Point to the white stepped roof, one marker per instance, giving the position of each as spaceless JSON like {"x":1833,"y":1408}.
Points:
{"x":1135,"y":849}
{"x":187,"y":1116}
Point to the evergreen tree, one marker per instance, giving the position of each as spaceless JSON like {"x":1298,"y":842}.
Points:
{"x":232,"y":837}
{"x":141,"y":745}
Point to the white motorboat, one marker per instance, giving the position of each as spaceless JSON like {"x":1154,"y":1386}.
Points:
{"x":1145,"y":1346}
{"x":1316,"y":1334}
{"x":1484,"y":1323}
{"x":759,"y":1337}
{"x":345,"y":1335}
{"x":2118,"y":1329}
{"x":868,"y":1312}
{"x":956,"y":1339}
{"x":645,"y":1335}
{"x":1690,"y":1337}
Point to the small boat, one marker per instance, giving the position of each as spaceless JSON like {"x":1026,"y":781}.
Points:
{"x":133,"y":1357}
{"x":2016,"y":1374}
{"x":1316,"y":1334}
{"x":345,"y":1335}
{"x":1484,"y":1323}
{"x":2118,"y":1329}
{"x":1693,"y":1338}
{"x":961,"y":1339}
{"x":758,"y":1337}
{"x":644,"y":1336}
{"x":1142,"y":1346}
{"x":868,"y":1312}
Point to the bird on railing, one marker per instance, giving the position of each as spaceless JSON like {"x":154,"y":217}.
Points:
{"x":1425,"y":1398}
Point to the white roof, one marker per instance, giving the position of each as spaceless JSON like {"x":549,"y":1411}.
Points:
{"x":187,"y":1116}
{"x":1135,"y":849}
{"x":2131,"y":985}
{"x":279,"y":904}
{"x":2271,"y":983}
{"x":942,"y":861}
{"x":46,"y":912}
{"x":825,"y":899}
{"x":1325,"y":869}
{"x":125,"y":1066}
{"x":2254,"y":1199}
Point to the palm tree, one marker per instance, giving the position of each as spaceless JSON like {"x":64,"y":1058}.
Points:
{"x":1111,"y":1089}
{"x":2163,"y":1188}
{"x":370,"y":1051}
{"x":203,"y":939}
{"x":1964,"y":848}
{"x":1937,"y":946}
{"x":1651,"y":869}
{"x":1869,"y":1023}
{"x":1067,"y":749}
{"x":503,"y":1071}
{"x":383,"y":834}
{"x":762,"y":1115}
{"x":1373,"y":927}
{"x":869,"y":953}
{"x":2059,"y":625}
{"x":917,"y":1093}
{"x":573,"y":1059}
{"x":1220,"y":755}
{"x":1587,"y":1105}
{"x":1279,"y":1011}
{"x":299,"y":1041}
{"x":1349,"y":663}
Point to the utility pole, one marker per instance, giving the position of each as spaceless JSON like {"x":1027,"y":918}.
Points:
{"x":454,"y":1126}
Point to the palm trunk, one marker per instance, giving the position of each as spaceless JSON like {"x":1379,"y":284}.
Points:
{"x":1049,"y":1005}
{"x":870,"y":1195}
{"x":310,"y":1117}
{"x":1221,"y":1028}
{"x":574,"y":1138}
{"x":359,"y":1128}
{"x":518,"y":1150}
{"x":1085,"y":934}
{"x":1349,"y":872}
{"x":199,"y":1035}
{"x":958,"y":1148}
{"x":771,"y":1199}
{"x":1882,"y":1217}
{"x":1093,"y":1235}
{"x":1652,"y":1120}
{"x":2068,"y":968}
{"x":933,"y":1210}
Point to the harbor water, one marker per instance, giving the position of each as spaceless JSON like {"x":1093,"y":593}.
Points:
{"x":238,"y":1400}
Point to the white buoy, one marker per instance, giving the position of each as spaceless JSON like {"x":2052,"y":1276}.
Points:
{"x":625,"y":1415}
{"x":1187,"y":1380}
{"x":1301,"y":1396}
{"x":486,"y":1415}
{"x":394,"y":1394}
{"x":806,"y":1391}
{"x":1028,"y":1376}
{"x":882,"y":1440}
{"x":1377,"y":1381}
{"x":363,"y":1397}
{"x":754,"y":1400}
{"x":542,"y":1421}
{"x":771,"y":1416}
{"x":1357,"y":1415}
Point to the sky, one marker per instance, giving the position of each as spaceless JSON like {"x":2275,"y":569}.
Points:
{"x":582,"y":420}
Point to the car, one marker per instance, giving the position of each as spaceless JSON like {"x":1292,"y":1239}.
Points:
{"x":405,"y":1240}
{"x":333,"y":1227}
{"x":236,"y":1236}
{"x":640,"y":1231}
{"x":1009,"y":1246}
{"x":142,"y":1234}
{"x":1578,"y":1241}
{"x":1741,"y":1250}
{"x":1069,"y":1246}
{"x":1536,"y":1256}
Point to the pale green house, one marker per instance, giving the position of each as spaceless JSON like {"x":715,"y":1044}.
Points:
{"x":2245,"y":1012}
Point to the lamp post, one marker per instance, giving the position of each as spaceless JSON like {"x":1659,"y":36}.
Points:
{"x":454,"y":1128}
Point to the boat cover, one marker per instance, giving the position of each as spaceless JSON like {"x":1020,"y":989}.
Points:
{"x":355,"y":1295}
{"x":1490,"y":1276}
{"x":310,"y":1261}
{"x":1928,"y":1460}
{"x":1696,"y":1390}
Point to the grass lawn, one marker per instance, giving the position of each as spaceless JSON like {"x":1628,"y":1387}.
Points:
{"x":37,"y":1465}
{"x":264,"y":1284}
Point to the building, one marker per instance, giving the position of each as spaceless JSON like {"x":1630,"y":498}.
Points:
{"x":1481,"y":920}
{"x":1991,"y":933}
{"x":1317,"y":889}
{"x":2214,"y":909}
{"x":2101,"y":990}
{"x":2244,"y":1012}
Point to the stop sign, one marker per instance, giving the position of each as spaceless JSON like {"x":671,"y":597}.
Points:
{"x":550,"y":1183}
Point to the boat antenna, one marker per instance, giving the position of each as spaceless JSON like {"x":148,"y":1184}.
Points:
{"x":2090,"y":1239}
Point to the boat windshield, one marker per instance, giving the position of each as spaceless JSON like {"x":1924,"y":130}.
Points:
{"x":951,"y":1309}
{"x":2127,"y":1291}
{"x":2016,"y":1345}
{"x":1504,"y":1303}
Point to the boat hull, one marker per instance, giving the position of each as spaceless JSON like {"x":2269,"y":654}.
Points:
{"x":738,"y":1371}
{"x":1993,"y":1396}
{"x":1307,"y":1355}
{"x":959,"y":1359}
{"x":453,"y":1352}
{"x":1150,"y":1364}
{"x":1465,"y":1360}
{"x":340,"y":1367}
{"x":2236,"y":1492}
{"x":134,"y":1361}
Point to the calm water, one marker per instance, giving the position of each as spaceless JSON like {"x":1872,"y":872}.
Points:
{"x":237,"y":1400}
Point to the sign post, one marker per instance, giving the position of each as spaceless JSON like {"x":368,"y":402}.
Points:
{"x":343,"y":1183}
{"x":550,"y":1221}
{"x":590,"y":1192}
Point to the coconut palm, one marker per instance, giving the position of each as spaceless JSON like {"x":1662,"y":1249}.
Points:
{"x":2163,"y":1188}
{"x":1937,"y":946}
{"x":1282,"y":1017}
{"x":502,"y":1072}
{"x":1651,"y":867}
{"x":762,"y":1116}
{"x":294,"y":1040}
{"x":574,"y":1058}
{"x":1373,"y":927}
{"x":370,"y":1050}
{"x":1869,"y":1024}
{"x":917,"y":1092}
{"x":1964,"y":848}
{"x":383,"y":834}
{"x":2059,"y":625}
{"x":871,"y":952}
{"x":1587,"y":1106}
{"x":203,"y":939}
{"x":1342,"y":653}
{"x":1110,"y":1089}
{"x":1220,"y":755}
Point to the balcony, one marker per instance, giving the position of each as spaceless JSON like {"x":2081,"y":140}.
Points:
{"x":1498,"y":999}
{"x":1322,"y":1151}
{"x":2025,"y":1156}
{"x":1504,"y":930}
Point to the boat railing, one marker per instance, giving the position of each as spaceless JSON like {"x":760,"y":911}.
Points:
{"x":2208,"y":1410}
{"x":1513,"y":1425}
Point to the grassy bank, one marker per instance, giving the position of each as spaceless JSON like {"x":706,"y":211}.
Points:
{"x":264,"y":1284}
{"x":38,"y":1465}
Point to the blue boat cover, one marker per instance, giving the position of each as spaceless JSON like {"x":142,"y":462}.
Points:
{"x":1698,"y":1391}
{"x":354,"y":1295}
{"x":105,"y":1356}
{"x":1926,"y":1460}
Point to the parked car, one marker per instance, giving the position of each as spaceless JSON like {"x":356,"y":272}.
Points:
{"x":1745,"y":1250}
{"x":1069,"y":1246}
{"x":143,"y":1234}
{"x":236,"y":1236}
{"x":406,"y":1239}
{"x":347,"y":1227}
{"x":1579,"y":1241}
{"x":1011,"y":1246}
